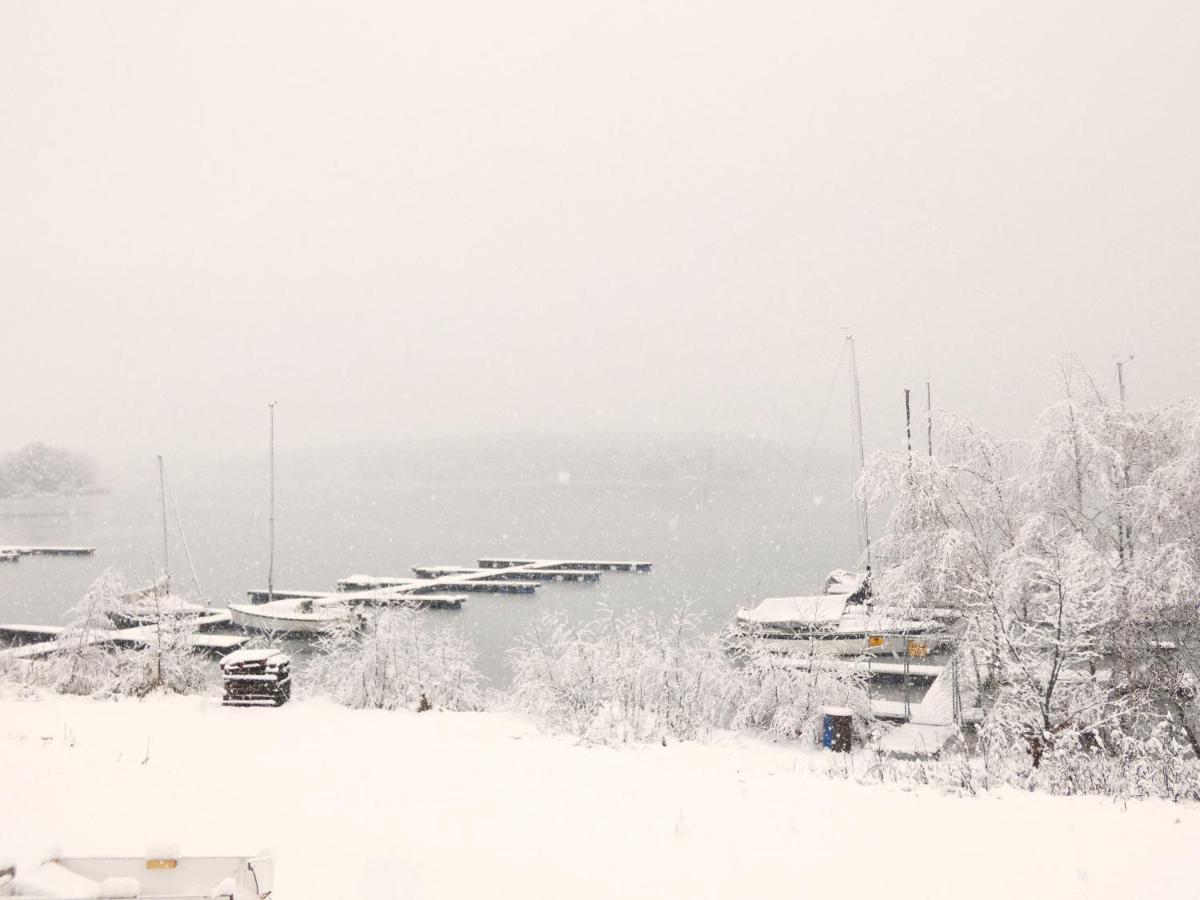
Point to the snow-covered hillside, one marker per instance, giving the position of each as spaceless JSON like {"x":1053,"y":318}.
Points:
{"x":397,"y":804}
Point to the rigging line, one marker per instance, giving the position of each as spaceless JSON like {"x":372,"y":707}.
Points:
{"x":187,"y":553}
{"x":787,"y":534}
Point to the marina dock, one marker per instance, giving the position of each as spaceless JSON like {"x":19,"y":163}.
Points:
{"x":425,"y":572}
{"x":261,"y":595}
{"x":11,"y":554}
{"x":455,"y":583}
{"x":368,"y":597}
{"x":590,"y":565}
{"x":35,"y":641}
{"x":433,"y":587}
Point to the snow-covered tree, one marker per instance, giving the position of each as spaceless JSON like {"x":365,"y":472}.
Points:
{"x":37,"y":469}
{"x":87,"y":662}
{"x":1068,"y":565}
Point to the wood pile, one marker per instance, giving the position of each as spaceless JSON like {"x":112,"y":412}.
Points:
{"x":256,"y":678}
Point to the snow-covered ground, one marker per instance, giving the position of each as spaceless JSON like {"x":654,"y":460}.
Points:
{"x":393,"y":804}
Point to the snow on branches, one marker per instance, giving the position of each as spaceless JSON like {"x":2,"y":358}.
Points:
{"x":1067,"y":563}
{"x":638,"y":677}
{"x":86,"y":662}
{"x":400,"y":662}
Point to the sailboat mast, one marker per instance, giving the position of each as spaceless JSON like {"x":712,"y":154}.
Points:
{"x":162,"y":497}
{"x":271,"y":556}
{"x":856,"y":428}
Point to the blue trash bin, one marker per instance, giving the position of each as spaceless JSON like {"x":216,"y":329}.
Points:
{"x":836,"y":728}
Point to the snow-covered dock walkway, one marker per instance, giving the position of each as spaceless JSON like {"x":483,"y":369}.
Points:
{"x":17,"y":552}
{"x":42,"y":640}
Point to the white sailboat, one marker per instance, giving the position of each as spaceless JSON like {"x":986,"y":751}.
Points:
{"x":288,"y":615}
{"x":842,"y":620}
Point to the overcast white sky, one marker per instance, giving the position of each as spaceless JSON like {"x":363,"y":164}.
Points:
{"x":402,"y":218}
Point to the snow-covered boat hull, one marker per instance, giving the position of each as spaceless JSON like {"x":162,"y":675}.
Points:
{"x":289,"y":617}
{"x":840,"y":622}
{"x":859,"y":644}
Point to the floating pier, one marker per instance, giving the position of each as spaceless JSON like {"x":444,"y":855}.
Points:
{"x":591,"y":565}
{"x":459,"y":583}
{"x":434,"y":587}
{"x":18,"y":635}
{"x":41,"y":640}
{"x":261,"y":596}
{"x":17,"y":552}
{"x":367,"y":597}
{"x":426,"y":572}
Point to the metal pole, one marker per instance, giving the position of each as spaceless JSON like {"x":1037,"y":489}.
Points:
{"x":907,"y":701}
{"x":162,"y":496}
{"x":929,"y":417}
{"x":908,"y":423}
{"x":1121,"y":381}
{"x":271,"y":557}
{"x":856,"y":422}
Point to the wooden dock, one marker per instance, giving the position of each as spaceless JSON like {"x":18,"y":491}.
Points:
{"x":438,"y":587}
{"x":426,"y":572}
{"x":452,"y":583}
{"x":384,"y":596}
{"x":261,"y":595}
{"x":18,"y":552}
{"x":41,"y":640}
{"x":591,"y":565}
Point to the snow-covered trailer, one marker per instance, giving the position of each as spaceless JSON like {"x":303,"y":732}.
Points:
{"x":158,"y":878}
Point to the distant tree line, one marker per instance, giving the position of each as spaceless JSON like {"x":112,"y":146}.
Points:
{"x":41,"y":470}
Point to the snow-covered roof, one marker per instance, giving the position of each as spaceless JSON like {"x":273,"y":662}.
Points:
{"x":842,"y":582}
{"x":802,"y":610}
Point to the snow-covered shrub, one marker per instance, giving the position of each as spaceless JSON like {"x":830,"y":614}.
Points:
{"x":638,"y":677}
{"x":787,"y":696}
{"x":1152,"y":761}
{"x":86,"y":663}
{"x":623,"y":678}
{"x":400,"y":661}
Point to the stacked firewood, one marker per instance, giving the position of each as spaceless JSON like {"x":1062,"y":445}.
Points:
{"x":256,"y":678}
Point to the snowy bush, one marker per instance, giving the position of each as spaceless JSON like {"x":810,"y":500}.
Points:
{"x":628,"y":678}
{"x":86,"y":663}
{"x":399,"y":662}
{"x":787,"y":696}
{"x":637,"y":677}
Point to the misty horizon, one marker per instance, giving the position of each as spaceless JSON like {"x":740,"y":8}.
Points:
{"x":618,"y":219}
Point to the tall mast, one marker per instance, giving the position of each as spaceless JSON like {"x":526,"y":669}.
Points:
{"x":1121,"y":379}
{"x":856,"y":429}
{"x":162,"y":497}
{"x":271,"y":556}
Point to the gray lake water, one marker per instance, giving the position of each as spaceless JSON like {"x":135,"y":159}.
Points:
{"x":715,"y":540}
